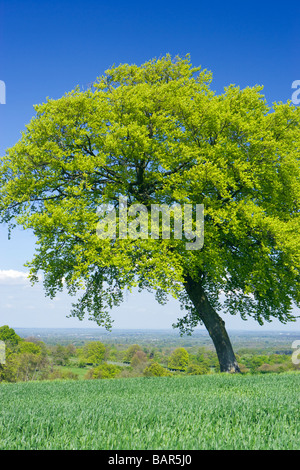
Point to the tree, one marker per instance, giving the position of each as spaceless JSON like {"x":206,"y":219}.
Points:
{"x":61,"y":355}
{"x":27,"y":365}
{"x":196,"y":369}
{"x":201,"y":358}
{"x":29,"y":348}
{"x":157,"y":134}
{"x":9,"y":336}
{"x":156,"y":370}
{"x":93,"y":352}
{"x":105,"y":371}
{"x":130,"y":352}
{"x":179,"y":359}
{"x":138,"y":359}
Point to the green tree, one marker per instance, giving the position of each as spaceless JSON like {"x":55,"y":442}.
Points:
{"x":27,"y":365}
{"x":105,"y":371}
{"x":61,"y":355}
{"x":23,"y":366}
{"x":12,"y":342}
{"x":112,"y":353}
{"x":9,"y":336}
{"x":29,"y":348}
{"x":157,"y":134}
{"x":71,"y":348}
{"x":130,"y":352}
{"x":139,"y":358}
{"x":196,"y":369}
{"x":156,"y":370}
{"x":93,"y":352}
{"x":179,"y":359}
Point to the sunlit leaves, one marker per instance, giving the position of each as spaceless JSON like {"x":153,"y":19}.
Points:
{"x":157,"y":134}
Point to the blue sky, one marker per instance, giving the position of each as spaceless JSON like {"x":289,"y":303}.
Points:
{"x":48,"y":48}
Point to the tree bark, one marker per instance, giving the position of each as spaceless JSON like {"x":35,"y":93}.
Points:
{"x":214,"y":325}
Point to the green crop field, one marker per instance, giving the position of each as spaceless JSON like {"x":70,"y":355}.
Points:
{"x":183,"y":413}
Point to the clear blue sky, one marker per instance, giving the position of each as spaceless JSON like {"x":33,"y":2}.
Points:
{"x":47,"y":48}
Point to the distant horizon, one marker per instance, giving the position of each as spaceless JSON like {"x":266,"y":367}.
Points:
{"x":202,"y":330}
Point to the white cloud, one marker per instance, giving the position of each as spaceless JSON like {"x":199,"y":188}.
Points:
{"x":11,"y":276}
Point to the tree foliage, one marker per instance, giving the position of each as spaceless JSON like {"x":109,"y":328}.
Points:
{"x":60,"y":354}
{"x":196,"y":369}
{"x":158,"y":134}
{"x":105,"y":371}
{"x":29,"y":348}
{"x":93,"y":352}
{"x":131,"y":351}
{"x":156,"y":370}
{"x":179,"y":359}
{"x":9,"y":336}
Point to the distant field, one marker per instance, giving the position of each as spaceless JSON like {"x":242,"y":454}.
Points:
{"x":183,"y":413}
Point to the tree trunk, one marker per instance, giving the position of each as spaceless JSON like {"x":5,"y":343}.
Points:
{"x":214,"y":325}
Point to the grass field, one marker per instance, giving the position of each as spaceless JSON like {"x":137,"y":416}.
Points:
{"x":185,"y":413}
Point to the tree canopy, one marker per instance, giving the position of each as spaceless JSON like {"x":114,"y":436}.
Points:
{"x":8,"y":335}
{"x":93,"y":352}
{"x":158,"y":134}
{"x":179,"y":359}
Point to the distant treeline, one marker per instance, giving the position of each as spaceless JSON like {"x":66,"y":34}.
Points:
{"x":28,"y":359}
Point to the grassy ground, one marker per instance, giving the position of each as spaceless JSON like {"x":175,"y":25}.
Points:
{"x":80,"y":372}
{"x":200,"y":412}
